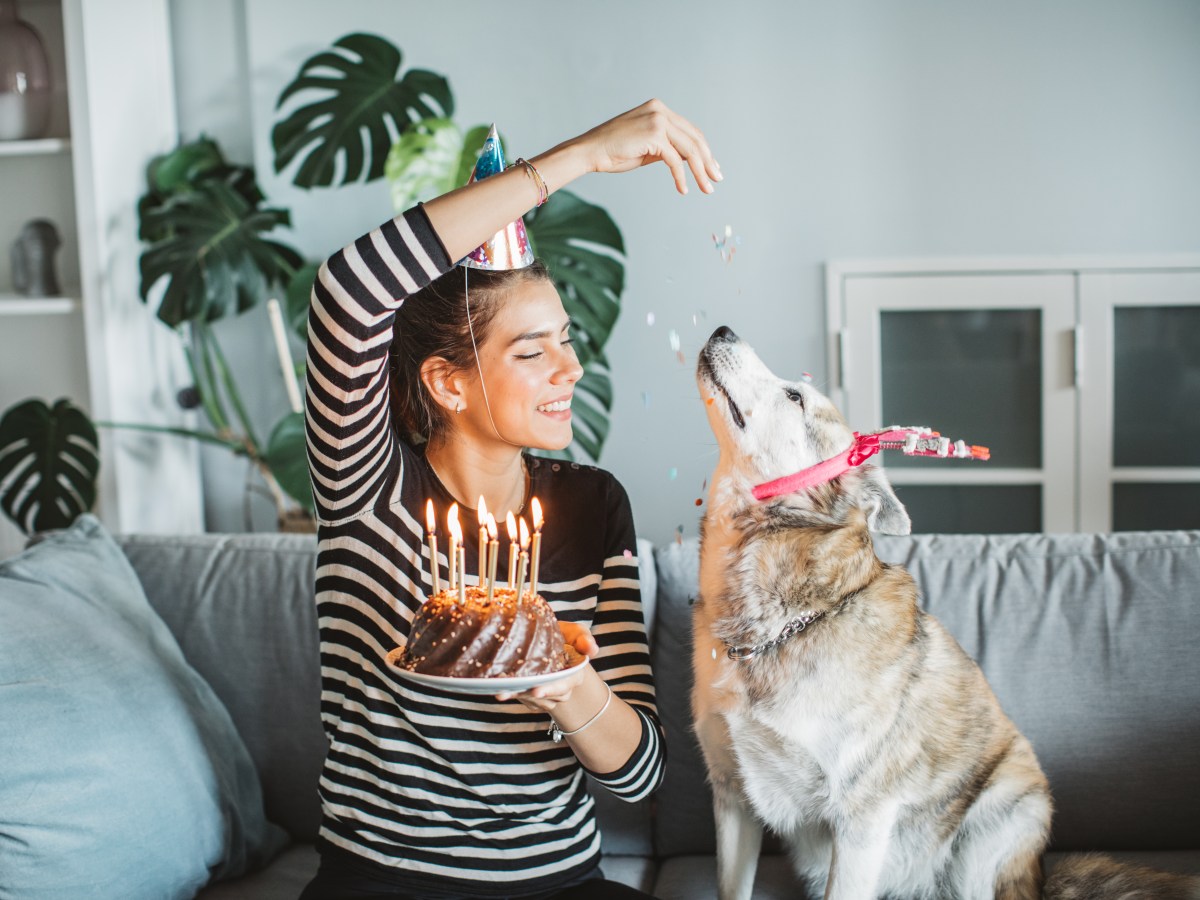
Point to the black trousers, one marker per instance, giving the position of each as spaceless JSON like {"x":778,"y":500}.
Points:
{"x":340,"y":878}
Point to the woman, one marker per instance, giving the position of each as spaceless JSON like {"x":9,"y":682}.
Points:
{"x":425,"y":793}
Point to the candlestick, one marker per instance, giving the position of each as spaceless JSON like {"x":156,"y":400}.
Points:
{"x":536,"y":556}
{"x":455,"y":530}
{"x":431,"y":525}
{"x":492,"y":555}
{"x":523,"y":558}
{"x":513,"y":549}
{"x":483,"y":540}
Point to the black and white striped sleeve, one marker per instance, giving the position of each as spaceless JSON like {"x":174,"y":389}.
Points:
{"x":351,"y":447}
{"x":624,"y":659}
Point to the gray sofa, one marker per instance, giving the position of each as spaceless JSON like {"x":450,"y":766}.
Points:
{"x":1089,"y":641}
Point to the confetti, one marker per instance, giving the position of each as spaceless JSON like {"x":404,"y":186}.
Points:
{"x":806,"y":376}
{"x":698,"y":316}
{"x":673,"y":337}
{"x":727,"y":245}
{"x":628,"y":553}
{"x":649,"y":318}
{"x":679,"y":535}
{"x":673,"y":474}
{"x":699,"y":501}
{"x":710,"y":401}
{"x":646,"y":399}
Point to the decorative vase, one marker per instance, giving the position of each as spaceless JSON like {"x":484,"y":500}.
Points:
{"x":24,"y":78}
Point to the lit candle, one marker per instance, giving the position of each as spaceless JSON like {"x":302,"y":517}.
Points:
{"x":456,"y":540}
{"x":513,"y":549}
{"x":431,"y":525}
{"x":524,"y":557}
{"x":455,"y":533}
{"x":493,"y":555}
{"x":537,"y":545}
{"x":483,"y":540}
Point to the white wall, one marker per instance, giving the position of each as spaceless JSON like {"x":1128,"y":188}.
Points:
{"x":866,"y":128}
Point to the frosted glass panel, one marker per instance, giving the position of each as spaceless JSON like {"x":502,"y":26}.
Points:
{"x":972,"y":509}
{"x":974,"y":375}
{"x":1148,"y":507}
{"x":1156,"y":370}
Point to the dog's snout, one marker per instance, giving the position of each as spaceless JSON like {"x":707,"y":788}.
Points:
{"x":724,"y":334}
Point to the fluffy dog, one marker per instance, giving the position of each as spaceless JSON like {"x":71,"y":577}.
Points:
{"x":832,"y":709}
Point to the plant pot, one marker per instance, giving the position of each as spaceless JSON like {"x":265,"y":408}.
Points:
{"x":24,"y":78}
{"x":297,"y":521}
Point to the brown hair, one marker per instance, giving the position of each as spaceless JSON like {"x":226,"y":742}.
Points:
{"x":433,"y":322}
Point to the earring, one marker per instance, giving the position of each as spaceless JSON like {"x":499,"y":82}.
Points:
{"x":458,"y":408}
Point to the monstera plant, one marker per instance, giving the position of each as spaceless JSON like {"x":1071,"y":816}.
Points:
{"x":206,"y":230}
{"x":356,"y":99}
{"x":49,"y":460}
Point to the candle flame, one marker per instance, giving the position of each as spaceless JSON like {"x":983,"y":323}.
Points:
{"x":453,"y":524}
{"x":524,"y":533}
{"x":491,"y":527}
{"x":511,"y":522}
{"x":430,"y":521}
{"x":537,"y":514}
{"x":483,"y":513}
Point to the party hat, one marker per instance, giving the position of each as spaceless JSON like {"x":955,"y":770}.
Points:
{"x":509,"y":247}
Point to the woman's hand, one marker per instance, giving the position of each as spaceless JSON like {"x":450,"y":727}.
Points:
{"x":547,"y":696}
{"x":651,"y":133}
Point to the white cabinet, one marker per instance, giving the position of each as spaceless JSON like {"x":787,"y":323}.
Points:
{"x":1082,"y":375}
{"x":99,"y":344}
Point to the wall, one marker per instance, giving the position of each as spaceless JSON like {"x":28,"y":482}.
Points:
{"x":866,"y":128}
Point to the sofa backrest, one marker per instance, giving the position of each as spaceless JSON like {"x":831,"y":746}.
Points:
{"x":1088,"y":641}
{"x":241,"y":607}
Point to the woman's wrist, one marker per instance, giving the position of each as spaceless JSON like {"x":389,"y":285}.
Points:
{"x":585,"y":701}
{"x":561,"y":165}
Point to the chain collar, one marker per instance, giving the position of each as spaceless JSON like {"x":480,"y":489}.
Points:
{"x":794,"y":627}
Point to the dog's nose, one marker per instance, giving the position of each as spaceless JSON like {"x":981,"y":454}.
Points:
{"x":724,"y":333}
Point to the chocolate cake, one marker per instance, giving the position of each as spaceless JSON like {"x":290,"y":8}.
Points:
{"x":480,"y":639}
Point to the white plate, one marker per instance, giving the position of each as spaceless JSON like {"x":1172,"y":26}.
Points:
{"x":498,"y":685}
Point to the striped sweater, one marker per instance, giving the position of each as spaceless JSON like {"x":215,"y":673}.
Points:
{"x":429,"y":789}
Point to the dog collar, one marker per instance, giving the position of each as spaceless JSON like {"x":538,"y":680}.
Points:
{"x":797,"y":625}
{"x":912,"y":440}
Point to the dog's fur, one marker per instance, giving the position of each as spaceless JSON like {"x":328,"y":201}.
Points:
{"x":869,"y":741}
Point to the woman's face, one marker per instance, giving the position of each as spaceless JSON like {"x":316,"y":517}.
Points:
{"x":529,"y":372}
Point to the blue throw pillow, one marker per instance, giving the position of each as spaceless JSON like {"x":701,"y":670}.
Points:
{"x":121,"y":773}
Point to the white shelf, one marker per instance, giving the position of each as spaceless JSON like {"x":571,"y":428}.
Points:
{"x":17,"y":305}
{"x":42,"y":147}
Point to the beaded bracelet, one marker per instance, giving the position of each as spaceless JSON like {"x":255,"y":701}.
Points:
{"x":543,"y":191}
{"x":557,"y":734}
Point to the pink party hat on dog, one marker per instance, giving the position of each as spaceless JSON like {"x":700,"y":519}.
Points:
{"x":508,"y":248}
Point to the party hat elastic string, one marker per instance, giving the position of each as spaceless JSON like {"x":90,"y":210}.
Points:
{"x":911,"y":440}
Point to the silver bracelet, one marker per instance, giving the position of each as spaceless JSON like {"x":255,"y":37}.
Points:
{"x":557,"y":734}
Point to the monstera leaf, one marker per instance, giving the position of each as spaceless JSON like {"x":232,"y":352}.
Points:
{"x":432,"y":158}
{"x":298,"y":296}
{"x":365,"y":106}
{"x":582,"y":247}
{"x":287,"y":459}
{"x":49,"y":459}
{"x":208,"y":242}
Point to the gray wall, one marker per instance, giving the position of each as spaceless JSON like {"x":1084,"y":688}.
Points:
{"x":865,"y":128}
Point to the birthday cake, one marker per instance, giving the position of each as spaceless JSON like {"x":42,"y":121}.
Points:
{"x":480,"y":638}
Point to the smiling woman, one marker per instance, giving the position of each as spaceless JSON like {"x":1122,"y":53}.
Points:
{"x":427,"y":381}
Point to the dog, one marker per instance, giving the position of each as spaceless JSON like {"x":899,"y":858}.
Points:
{"x":828,"y":706}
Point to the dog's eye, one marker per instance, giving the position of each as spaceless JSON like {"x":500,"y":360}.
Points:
{"x":795,"y":396}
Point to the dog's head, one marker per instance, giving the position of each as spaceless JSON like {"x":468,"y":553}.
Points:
{"x":767,"y":427}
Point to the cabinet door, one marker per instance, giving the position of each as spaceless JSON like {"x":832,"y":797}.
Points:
{"x":1140,"y":392}
{"x":986,"y":358}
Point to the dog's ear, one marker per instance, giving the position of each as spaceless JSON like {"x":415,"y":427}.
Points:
{"x":885,"y":513}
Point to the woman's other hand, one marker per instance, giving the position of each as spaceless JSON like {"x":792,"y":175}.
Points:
{"x":651,"y":133}
{"x":547,"y":696}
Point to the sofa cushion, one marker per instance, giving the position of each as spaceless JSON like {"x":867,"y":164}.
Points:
{"x":1088,"y":641}
{"x":284,"y":879}
{"x":242,"y":608}
{"x":123,"y":775}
